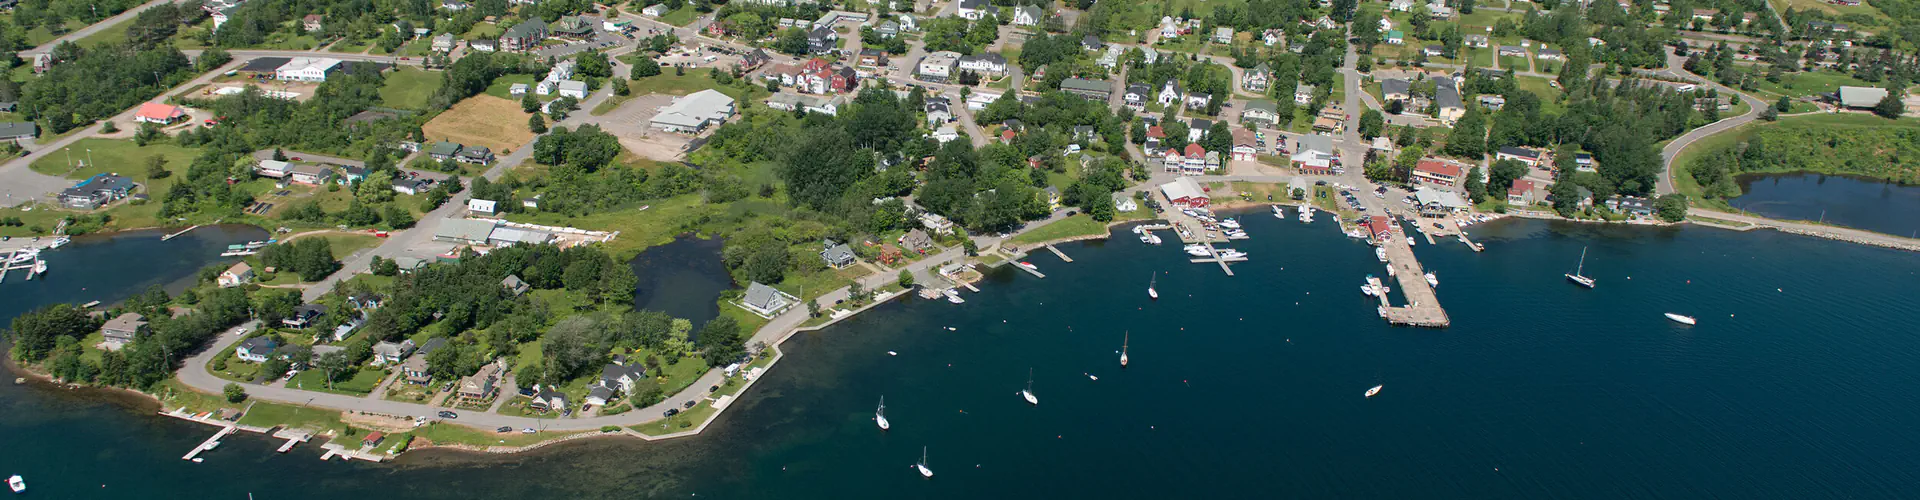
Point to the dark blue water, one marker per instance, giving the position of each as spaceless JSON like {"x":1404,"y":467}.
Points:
{"x":113,"y":266}
{"x":1860,"y":203}
{"x":683,"y":279}
{"x":1792,"y":386}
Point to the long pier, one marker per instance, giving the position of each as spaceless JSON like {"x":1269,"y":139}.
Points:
{"x":1423,"y":305}
{"x":1062,"y":255}
{"x":210,"y":443}
{"x":182,"y":231}
{"x":1216,"y":258}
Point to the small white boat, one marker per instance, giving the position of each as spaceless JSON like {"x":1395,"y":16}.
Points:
{"x":1367,"y":290}
{"x":1684,"y":320}
{"x":1228,"y":253}
{"x":18,"y":484}
{"x":953,"y":296}
{"x":891,"y":353}
{"x":24,"y":256}
{"x":1409,"y":240}
{"x":1027,"y":393}
{"x":1433,"y":281}
{"x":1391,"y":272}
{"x":1382,"y":310}
{"x":1380,"y":253}
{"x":1146,"y":238}
{"x":1153,"y":239}
{"x":1279,"y":213}
{"x":1374,"y":390}
{"x":199,"y":459}
{"x":59,"y":242}
{"x":922,"y":466}
{"x":40,"y":267}
{"x":880,"y":414}
{"x":1138,"y":229}
{"x":1230,"y":223}
{"x":1152,"y":293}
{"x":1091,"y":377}
{"x":1123,"y":348}
{"x":1027,"y":265}
{"x":1196,"y":250}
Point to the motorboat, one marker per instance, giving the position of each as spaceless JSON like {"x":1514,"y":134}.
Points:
{"x":24,"y":256}
{"x":1027,"y":265}
{"x":1381,"y":253}
{"x":1579,"y":277}
{"x":1306,"y":214}
{"x":1391,"y":272}
{"x":1145,"y":238}
{"x":1279,"y":212}
{"x":1152,"y":239}
{"x":1027,"y":393}
{"x":1375,"y":390}
{"x":953,"y":296}
{"x":1228,"y":253}
{"x":1230,"y":223}
{"x":1382,"y":310}
{"x":880,"y":415}
{"x":1433,"y":281}
{"x":1367,"y":290}
{"x":1197,"y":250}
{"x":1138,"y":229}
{"x":1684,"y":320}
{"x":17,"y":484}
{"x":922,"y":466}
{"x":59,"y":242}
{"x":1151,"y":292}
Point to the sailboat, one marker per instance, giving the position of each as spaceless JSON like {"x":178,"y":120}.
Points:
{"x":1577,"y":277}
{"x":1150,"y":282}
{"x":880,"y":415}
{"x":1123,"y":348}
{"x":1028,"y":392}
{"x":1374,"y":390}
{"x":924,"y":471}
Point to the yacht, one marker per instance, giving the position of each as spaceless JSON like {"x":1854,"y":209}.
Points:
{"x":1433,"y":281}
{"x":1228,"y":253}
{"x":953,"y":296}
{"x":1578,"y":276}
{"x":1197,"y":250}
{"x":17,"y":484}
{"x":1374,"y":390}
{"x":24,"y":256}
{"x":1145,"y":238}
{"x":1027,"y":265}
{"x":1381,"y":253}
{"x":922,"y":466}
{"x":1028,"y":392}
{"x":1230,"y":223}
{"x":1684,"y":320}
{"x":880,"y":415}
{"x":1153,"y":239}
{"x":59,"y":242}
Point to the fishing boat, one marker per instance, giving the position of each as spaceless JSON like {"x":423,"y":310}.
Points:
{"x":1027,"y":393}
{"x":1581,"y":279}
{"x":1380,"y":253}
{"x":880,"y":415}
{"x":1197,"y":250}
{"x":59,"y":242}
{"x":18,"y":484}
{"x":1152,"y":293}
{"x":1433,"y":281}
{"x":1123,"y":348}
{"x":1374,"y":390}
{"x":922,"y":466}
{"x":1684,"y":320}
{"x":953,"y":296}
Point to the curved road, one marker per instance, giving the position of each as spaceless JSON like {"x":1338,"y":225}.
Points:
{"x":1667,"y":154}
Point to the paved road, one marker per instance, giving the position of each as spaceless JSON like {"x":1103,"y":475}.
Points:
{"x":104,"y":24}
{"x":1667,"y":154}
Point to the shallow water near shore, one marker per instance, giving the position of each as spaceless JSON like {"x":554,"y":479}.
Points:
{"x":1242,"y":387}
{"x":1859,"y":203}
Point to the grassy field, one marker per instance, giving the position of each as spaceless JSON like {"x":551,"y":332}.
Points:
{"x":115,"y":156}
{"x":500,"y":86}
{"x":482,"y":120}
{"x":266,"y":414}
{"x":445,"y":434}
{"x":111,"y":35}
{"x":639,"y":229}
{"x":1549,"y":95}
{"x":1078,"y":225}
{"x":346,"y":244}
{"x":362,"y":383}
{"x":681,"y":17}
{"x":1808,"y":84}
{"x":408,"y":88}
{"x":1865,"y":8}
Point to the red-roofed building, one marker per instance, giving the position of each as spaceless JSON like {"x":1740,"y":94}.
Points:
{"x":1007,"y":136}
{"x":1155,"y":132}
{"x":1196,"y":157}
{"x":153,"y":112}
{"x":1521,"y":193}
{"x":1437,"y":171}
{"x":1379,"y":228}
{"x":1172,"y":160}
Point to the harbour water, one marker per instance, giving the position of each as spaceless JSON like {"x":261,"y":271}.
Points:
{"x":1791,"y":386}
{"x":1860,"y":203}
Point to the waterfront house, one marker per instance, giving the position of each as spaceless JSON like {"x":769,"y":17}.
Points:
{"x":256,"y":349}
{"x":385,"y":353}
{"x":549,"y":400}
{"x":838,"y":255}
{"x":616,"y":378}
{"x":1379,"y":229}
{"x":936,"y":223}
{"x":1522,"y":193}
{"x":1630,"y":205}
{"x":1437,"y":171}
{"x":1245,"y":145}
{"x":480,"y":386}
{"x":917,"y":241}
{"x":1184,"y":192}
{"x":121,"y":330}
{"x":304,"y":315}
{"x":373,"y":439}
{"x":1124,"y":203}
{"x":765,"y":300}
{"x":96,"y":191}
{"x":514,"y":285}
{"x":239,"y":274}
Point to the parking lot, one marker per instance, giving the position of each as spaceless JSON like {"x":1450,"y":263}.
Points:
{"x":631,"y":122}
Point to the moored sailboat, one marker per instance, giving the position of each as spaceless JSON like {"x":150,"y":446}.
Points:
{"x":1578,"y":277}
{"x":1123,"y":348}
{"x":880,"y":415}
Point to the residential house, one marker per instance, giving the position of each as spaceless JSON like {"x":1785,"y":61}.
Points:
{"x":1395,"y":89}
{"x":973,"y":10}
{"x":1522,"y":193}
{"x":156,"y":113}
{"x":1245,"y":145}
{"x":1395,"y":37}
{"x":122,"y":330}
{"x":936,"y":223}
{"x":272,"y":168}
{"x":1852,"y":97}
{"x":514,"y":285}
{"x":655,"y":10}
{"x":1477,"y":41}
{"x":239,"y":274}
{"x":1223,"y":34}
{"x":1093,"y":90}
{"x":837,"y":255}
{"x":1583,"y":162}
{"x":1447,"y":98}
{"x":1027,"y":15}
{"x":1195,"y":159}
{"x":548,"y":399}
{"x":480,"y":386}
{"x":1184,"y":192}
{"x":917,"y":241}
{"x":985,"y":63}
{"x":18,"y":131}
{"x":98,"y":190}
{"x":1136,"y":95}
{"x":1705,"y":15}
{"x":1400,"y":5}
{"x":765,"y":300}
{"x":938,"y":112}
{"x":1169,"y":28}
{"x":1261,"y":111}
{"x":455,"y":5}
{"x":312,"y":174}
{"x":616,"y":378}
{"x":1630,"y":205}
{"x":1197,"y":128}
{"x":1124,"y":203}
{"x":887,"y":29}
{"x":1272,"y":37}
{"x":1256,"y":79}
{"x":1303,"y":95}
{"x":945,"y":134}
{"x":1523,"y":155}
{"x":484,"y":45}
{"x":1512,"y":51}
{"x":304,"y":315}
{"x":1550,"y":55}
{"x":386,"y":353}
{"x":1314,"y":154}
{"x":1437,"y":171}
{"x":822,"y":39}
{"x":1092,"y":43}
{"x":1198,"y":100}
{"x":938,"y":67}
{"x":256,"y":349}
{"x":524,"y":36}
{"x":872,"y":58}
{"x":311,"y":23}
{"x":444,"y":150}
{"x":1433,"y":50}
{"x":348,"y":175}
{"x":443,"y":43}
{"x":695,"y":112}
{"x":1493,"y":102}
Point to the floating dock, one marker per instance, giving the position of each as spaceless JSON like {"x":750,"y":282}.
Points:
{"x":1216,"y":258}
{"x":210,"y":443}
{"x":1062,"y":255}
{"x":293,"y":437}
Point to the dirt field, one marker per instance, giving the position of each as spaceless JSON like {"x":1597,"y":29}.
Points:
{"x":629,"y":122}
{"x":482,"y":120}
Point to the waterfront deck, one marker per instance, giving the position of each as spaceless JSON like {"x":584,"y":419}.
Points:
{"x":1423,"y":305}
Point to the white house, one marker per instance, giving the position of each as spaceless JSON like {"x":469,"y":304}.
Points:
{"x":655,"y":10}
{"x":938,"y":66}
{"x":239,"y":274}
{"x":1303,"y":95}
{"x":307,"y":69}
{"x":973,"y":10}
{"x":1170,"y":92}
{"x":1027,"y":15}
{"x":573,"y":88}
{"x":946,"y":133}
{"x":987,"y":63}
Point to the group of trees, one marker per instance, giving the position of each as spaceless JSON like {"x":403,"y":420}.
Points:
{"x":1891,"y":153}
{"x":311,"y":258}
{"x":51,"y":336}
{"x":91,"y":84}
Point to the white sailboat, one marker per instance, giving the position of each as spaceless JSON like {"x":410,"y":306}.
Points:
{"x":1681,"y":319}
{"x":880,"y":415}
{"x":1374,"y":390}
{"x":1581,"y":279}
{"x":1123,"y":348}
{"x":1028,"y":392}
{"x":1151,"y":292}
{"x":924,"y":471}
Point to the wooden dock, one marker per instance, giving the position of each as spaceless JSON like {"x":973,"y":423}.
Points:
{"x":1062,"y":255}
{"x":1423,"y":305}
{"x":210,"y":443}
{"x":293,"y":437}
{"x":1470,"y":244}
{"x":1029,"y":270}
{"x":182,"y":231}
{"x":1217,"y":259}
{"x":28,"y":265}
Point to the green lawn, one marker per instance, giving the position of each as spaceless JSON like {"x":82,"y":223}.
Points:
{"x":350,"y":47}
{"x":346,"y":244}
{"x":362,"y":383}
{"x":40,"y":34}
{"x":111,"y":35}
{"x":115,"y":156}
{"x":1807,"y":84}
{"x":684,"y":421}
{"x":408,"y":88}
{"x":682,"y":17}
{"x":1078,"y":225}
{"x":444,"y":434}
{"x":482,"y":30}
{"x":1549,"y":95}
{"x":500,"y":86}
{"x":265,"y":414}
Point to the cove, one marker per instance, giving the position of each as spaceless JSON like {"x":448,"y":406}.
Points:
{"x":1855,"y":202}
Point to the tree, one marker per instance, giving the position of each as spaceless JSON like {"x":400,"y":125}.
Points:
{"x":1504,"y":173}
{"x":1672,"y":207}
{"x":536,"y":124}
{"x":570,"y":348}
{"x":235,"y":393}
{"x":36,"y":332}
{"x":528,"y":104}
{"x":157,"y":167}
{"x":1372,"y":124}
{"x":1783,"y":104}
{"x":1476,"y":188}
{"x":332,"y":364}
{"x":821,"y":166}
{"x":1469,"y":137}
{"x":906,"y":279}
{"x":620,"y":87}
{"x":1890,"y":106}
{"x":720,"y":340}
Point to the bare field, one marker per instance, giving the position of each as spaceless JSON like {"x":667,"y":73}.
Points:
{"x":482,"y":120}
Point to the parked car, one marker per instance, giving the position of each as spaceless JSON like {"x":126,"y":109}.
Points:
{"x":504,"y":429}
{"x":448,"y":414}
{"x":690,"y":404}
{"x":671,"y":412}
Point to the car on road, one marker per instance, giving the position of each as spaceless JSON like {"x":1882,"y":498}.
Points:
{"x":296,"y":158}
{"x":449,"y":415}
{"x":504,"y":429}
{"x":690,"y":404}
{"x":528,"y":430}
